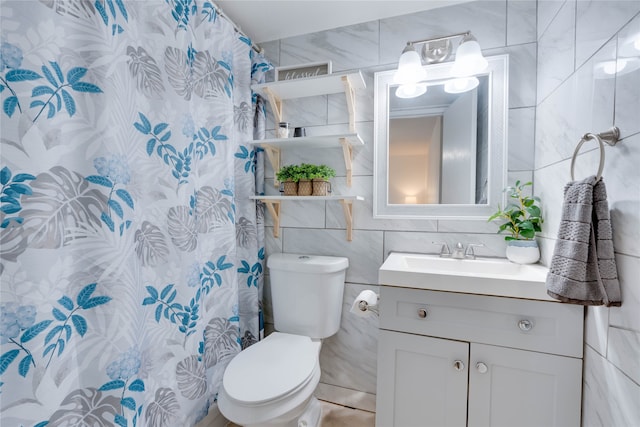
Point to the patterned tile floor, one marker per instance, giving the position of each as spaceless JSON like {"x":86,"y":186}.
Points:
{"x":340,"y":416}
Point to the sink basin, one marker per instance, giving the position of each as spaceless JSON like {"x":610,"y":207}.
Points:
{"x":485,"y":276}
{"x":436,"y":265}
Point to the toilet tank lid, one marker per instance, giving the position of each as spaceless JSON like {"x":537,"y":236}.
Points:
{"x":307,"y":263}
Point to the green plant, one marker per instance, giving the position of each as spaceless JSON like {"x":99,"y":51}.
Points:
{"x":307,"y":170}
{"x":304,"y":171}
{"x":320,"y":172}
{"x":290,"y":173}
{"x":522,"y":216}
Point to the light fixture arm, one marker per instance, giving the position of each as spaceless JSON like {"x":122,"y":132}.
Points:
{"x":408,"y":47}
{"x":437,"y":39}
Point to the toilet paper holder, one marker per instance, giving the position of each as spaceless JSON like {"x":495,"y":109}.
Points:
{"x":366,"y":303}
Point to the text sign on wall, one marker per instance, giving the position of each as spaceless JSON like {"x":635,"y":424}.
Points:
{"x":303,"y":71}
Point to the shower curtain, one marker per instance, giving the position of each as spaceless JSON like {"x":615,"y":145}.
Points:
{"x":131,"y":258}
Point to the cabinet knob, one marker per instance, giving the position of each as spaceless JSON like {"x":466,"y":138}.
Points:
{"x":481,"y":367}
{"x":525,"y":325}
{"x":458,"y":365}
{"x":422,"y":313}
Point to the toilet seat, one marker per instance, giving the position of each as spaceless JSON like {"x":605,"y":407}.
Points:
{"x":271,"y":369}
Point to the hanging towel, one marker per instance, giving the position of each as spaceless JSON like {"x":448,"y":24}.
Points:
{"x":583,"y":267}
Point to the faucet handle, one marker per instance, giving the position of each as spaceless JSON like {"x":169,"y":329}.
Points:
{"x":469,"y":253}
{"x":444,"y":249}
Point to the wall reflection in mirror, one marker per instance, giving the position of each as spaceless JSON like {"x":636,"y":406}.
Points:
{"x":438,"y":146}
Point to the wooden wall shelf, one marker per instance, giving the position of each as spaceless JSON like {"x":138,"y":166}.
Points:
{"x":276,"y":92}
{"x":273,"y":147}
{"x":328,"y":84}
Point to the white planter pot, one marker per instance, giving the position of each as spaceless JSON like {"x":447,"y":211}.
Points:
{"x":523,"y":251}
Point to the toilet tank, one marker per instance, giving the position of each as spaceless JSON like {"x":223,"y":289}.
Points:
{"x":306,"y":293}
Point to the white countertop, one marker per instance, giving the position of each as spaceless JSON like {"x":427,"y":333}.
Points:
{"x":482,"y":276}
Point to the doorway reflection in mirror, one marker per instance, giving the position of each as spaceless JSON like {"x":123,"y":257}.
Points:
{"x":438,"y":146}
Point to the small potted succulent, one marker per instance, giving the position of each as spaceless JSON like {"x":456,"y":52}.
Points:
{"x":320,"y":176}
{"x":289,"y":176}
{"x":522,"y":220}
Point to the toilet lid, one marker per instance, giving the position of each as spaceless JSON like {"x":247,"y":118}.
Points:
{"x":270,"y":368}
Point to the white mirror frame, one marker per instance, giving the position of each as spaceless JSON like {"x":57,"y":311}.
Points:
{"x":498,"y":79}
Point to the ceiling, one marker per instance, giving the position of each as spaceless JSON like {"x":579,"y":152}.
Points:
{"x":266,"y":20}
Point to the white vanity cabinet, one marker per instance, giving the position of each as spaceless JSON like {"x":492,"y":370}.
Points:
{"x":455,"y":359}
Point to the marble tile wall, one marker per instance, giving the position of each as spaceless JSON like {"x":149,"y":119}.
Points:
{"x":349,"y":358}
{"x":575,"y":96}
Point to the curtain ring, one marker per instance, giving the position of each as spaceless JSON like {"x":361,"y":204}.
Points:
{"x":584,"y":139}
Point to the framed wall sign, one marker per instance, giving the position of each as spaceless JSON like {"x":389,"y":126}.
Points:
{"x":302,"y":71}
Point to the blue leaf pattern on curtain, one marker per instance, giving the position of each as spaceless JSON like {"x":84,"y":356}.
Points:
{"x":131,"y":258}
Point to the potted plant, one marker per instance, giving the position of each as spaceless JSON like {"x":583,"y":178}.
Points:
{"x":289,"y":176}
{"x":320,"y":176}
{"x":522,"y":220}
{"x":304,"y":181}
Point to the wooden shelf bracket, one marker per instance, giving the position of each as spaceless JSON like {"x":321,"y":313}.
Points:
{"x":276,"y":104}
{"x":273,"y":154}
{"x":274,"y":209}
{"x":350,"y":93}
{"x":347,"y":207}
{"x":347,"y":151}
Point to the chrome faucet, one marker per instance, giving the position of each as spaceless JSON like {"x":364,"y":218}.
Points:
{"x":459,"y":252}
{"x":444,"y":249}
{"x":469,"y":253}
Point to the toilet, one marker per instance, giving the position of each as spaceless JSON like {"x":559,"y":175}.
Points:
{"x":272,"y":382}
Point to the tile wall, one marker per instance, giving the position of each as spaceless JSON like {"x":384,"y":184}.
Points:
{"x":348,"y":359}
{"x":574,"y":96}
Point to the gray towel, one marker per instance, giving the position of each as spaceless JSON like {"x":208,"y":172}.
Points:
{"x":583,"y":268}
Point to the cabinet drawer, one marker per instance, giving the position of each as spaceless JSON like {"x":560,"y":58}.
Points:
{"x":548,"y":327}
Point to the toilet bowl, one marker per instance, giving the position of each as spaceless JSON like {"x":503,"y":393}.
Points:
{"x":271,"y":383}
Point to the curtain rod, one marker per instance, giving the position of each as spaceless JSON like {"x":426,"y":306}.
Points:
{"x":237,"y":28}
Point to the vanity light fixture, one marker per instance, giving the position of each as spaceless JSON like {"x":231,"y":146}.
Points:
{"x":410,"y":69}
{"x":461,"y":84}
{"x":411,"y":90}
{"x":469,"y":61}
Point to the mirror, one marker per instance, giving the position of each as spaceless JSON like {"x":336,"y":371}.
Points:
{"x":441,"y":155}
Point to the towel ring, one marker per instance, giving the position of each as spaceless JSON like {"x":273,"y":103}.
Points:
{"x":609,"y":137}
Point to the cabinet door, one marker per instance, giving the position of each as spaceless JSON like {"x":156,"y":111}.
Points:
{"x":509,"y":387}
{"x":422,"y":381}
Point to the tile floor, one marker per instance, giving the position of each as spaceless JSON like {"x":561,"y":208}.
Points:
{"x":340,"y":416}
